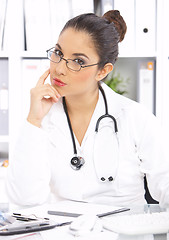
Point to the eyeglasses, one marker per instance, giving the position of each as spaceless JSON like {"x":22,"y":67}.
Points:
{"x":55,"y":55}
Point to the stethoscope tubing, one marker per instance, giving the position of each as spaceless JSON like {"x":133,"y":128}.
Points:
{"x":70,"y":126}
{"x":106,"y":115}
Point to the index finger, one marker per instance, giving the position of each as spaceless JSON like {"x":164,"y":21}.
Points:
{"x":42,"y":79}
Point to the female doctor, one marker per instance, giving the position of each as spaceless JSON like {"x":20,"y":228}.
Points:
{"x":85,"y":142}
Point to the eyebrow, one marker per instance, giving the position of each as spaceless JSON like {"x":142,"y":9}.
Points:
{"x":80,"y":54}
{"x":74,"y":54}
{"x":58,"y":45}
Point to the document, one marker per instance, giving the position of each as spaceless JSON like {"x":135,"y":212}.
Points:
{"x":80,"y":7}
{"x":106,"y":5}
{"x":62,"y":232}
{"x":127,"y":10}
{"x":3,"y":97}
{"x":32,"y":69}
{"x":37,"y":24}
{"x":2,"y":21}
{"x":68,"y":207}
{"x":29,"y":236}
{"x":145,"y":26}
{"x":58,"y":20}
{"x":146,"y":84}
{"x":81,"y":208}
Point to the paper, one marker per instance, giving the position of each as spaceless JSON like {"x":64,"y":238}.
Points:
{"x":67,"y":206}
{"x":30,"y":236}
{"x":146,"y":84}
{"x":63,"y":232}
{"x":78,"y":207}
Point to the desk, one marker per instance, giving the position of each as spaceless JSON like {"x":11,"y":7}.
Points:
{"x":62,"y":233}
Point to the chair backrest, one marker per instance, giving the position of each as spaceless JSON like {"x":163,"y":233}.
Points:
{"x":148,"y":196}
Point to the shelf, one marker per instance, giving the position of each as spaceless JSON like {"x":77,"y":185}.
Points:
{"x":4,"y":54}
{"x":33,"y":54}
{"x":15,"y":59}
{"x":29,"y":54}
{"x":137,"y":55}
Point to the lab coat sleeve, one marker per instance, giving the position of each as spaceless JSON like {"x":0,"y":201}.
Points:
{"x":153,"y":149}
{"x":28,"y":175}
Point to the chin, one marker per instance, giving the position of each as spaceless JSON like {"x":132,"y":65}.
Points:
{"x":60,"y":91}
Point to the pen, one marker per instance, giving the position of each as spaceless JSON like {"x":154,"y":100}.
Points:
{"x":64,"y":214}
{"x":21,"y":229}
{"x":25,"y":219}
{"x":113,"y":212}
{"x":67,"y":214}
{"x":24,"y":227}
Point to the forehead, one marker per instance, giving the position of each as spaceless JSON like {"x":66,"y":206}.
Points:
{"x":73,"y":41}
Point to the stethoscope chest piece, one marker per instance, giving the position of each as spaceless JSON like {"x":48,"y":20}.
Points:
{"x":77,"y":162}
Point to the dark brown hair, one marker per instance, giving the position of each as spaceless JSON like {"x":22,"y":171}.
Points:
{"x":106,"y":32}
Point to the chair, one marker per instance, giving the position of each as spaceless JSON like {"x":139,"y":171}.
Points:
{"x":148,"y":196}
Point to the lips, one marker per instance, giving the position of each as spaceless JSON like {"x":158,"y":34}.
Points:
{"x":58,"y":82}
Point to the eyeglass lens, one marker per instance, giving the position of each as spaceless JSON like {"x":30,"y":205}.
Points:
{"x":55,"y":57}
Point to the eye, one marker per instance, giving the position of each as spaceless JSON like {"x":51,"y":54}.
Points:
{"x":79,"y":61}
{"x":58,"y":52}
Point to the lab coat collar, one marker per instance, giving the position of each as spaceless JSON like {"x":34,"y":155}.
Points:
{"x":114,"y":100}
{"x":56,"y":118}
{"x":55,"y":121}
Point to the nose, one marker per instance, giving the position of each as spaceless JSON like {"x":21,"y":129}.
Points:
{"x":61,"y":67}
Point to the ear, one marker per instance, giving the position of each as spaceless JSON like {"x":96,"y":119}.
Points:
{"x":102,"y":73}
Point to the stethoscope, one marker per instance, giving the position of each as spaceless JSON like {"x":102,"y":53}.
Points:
{"x":77,"y":162}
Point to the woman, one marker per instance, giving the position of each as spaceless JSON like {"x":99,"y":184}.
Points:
{"x":114,"y":159}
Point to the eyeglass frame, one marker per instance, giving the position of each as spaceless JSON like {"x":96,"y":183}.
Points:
{"x":66,"y":60}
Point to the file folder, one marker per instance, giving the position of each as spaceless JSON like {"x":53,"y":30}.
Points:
{"x":32,"y":69}
{"x":106,"y":5}
{"x":37,"y":24}
{"x":145,"y":26}
{"x":80,"y":7}
{"x":3,"y":97}
{"x":146,"y":84}
{"x":127,"y":10}
{"x":2,"y":21}
{"x":58,"y":20}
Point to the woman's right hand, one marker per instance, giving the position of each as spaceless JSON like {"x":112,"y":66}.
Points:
{"x":40,"y":105}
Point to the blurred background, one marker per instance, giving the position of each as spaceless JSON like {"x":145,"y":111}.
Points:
{"x":29,"y":27}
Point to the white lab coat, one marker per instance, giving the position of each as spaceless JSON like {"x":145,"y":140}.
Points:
{"x":40,"y":166}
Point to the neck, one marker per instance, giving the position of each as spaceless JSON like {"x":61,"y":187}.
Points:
{"x":83,"y":103}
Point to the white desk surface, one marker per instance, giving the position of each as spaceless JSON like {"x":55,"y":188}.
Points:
{"x":62,"y":233}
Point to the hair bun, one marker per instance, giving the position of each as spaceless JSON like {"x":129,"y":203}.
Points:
{"x":119,"y":23}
